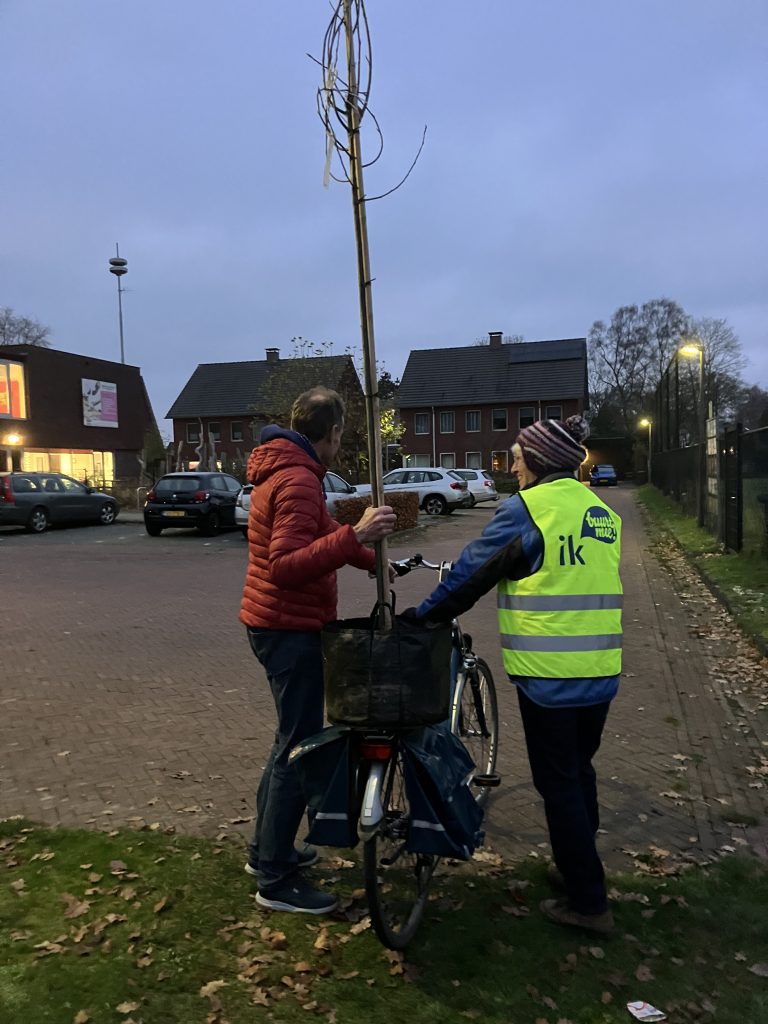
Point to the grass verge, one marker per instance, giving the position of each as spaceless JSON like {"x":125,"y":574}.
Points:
{"x":740,"y":581}
{"x":146,"y":928}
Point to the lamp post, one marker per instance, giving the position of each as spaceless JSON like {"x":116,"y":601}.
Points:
{"x":649,"y":424}
{"x":692,"y":350}
{"x":118,"y":267}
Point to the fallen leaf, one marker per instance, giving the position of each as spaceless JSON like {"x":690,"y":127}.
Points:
{"x":19,"y":885}
{"x":761,"y":970}
{"x":323,"y":940}
{"x":127,"y":1007}
{"x":117,"y":867}
{"x":160,"y":905}
{"x":606,"y":998}
{"x":75,"y":907}
{"x":597,"y":952}
{"x":81,"y":1017}
{"x":212,"y":986}
{"x":643,"y":973}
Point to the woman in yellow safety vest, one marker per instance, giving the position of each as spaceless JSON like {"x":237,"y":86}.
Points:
{"x":552,"y":550}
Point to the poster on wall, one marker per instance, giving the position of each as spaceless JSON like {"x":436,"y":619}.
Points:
{"x":99,"y":403}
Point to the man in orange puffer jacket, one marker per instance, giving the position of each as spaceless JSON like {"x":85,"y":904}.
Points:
{"x":294,"y":550}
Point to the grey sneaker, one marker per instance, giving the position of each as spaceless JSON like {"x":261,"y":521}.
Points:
{"x":295,"y":896}
{"x":307,"y":855}
{"x":561,"y":913}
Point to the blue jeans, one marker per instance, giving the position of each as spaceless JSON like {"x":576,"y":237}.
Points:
{"x":294,"y":667}
{"x":561,"y":743}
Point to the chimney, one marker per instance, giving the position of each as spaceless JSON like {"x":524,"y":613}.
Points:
{"x":495,"y":338}
{"x":273,"y":355}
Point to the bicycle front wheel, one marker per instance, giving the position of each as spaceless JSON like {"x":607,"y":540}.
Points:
{"x":396,"y":881}
{"x":476,"y":720}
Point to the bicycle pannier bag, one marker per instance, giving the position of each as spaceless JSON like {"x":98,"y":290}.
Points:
{"x":324,"y":764}
{"x":396,"y":679}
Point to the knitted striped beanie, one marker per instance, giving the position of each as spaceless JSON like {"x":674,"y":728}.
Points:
{"x":548,"y":446}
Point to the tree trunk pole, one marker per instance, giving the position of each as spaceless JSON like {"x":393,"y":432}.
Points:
{"x":366,"y":310}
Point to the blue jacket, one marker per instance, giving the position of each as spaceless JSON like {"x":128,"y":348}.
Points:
{"x":510,"y":547}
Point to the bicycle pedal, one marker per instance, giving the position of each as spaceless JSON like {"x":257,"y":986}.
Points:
{"x":489,"y":780}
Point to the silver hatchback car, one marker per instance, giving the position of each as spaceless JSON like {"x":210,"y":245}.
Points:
{"x":480,"y":484}
{"x":336,"y":489}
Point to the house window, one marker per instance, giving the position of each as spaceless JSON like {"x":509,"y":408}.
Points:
{"x":553,"y":412}
{"x":472,"y":421}
{"x":420,"y":460}
{"x":236,"y":430}
{"x":193,"y":433}
{"x":447,"y":423}
{"x":448,"y":459}
{"x":214,"y":431}
{"x":499,"y":463}
{"x":499,"y":419}
{"x":527,"y":416}
{"x":421,"y":423}
{"x":473,"y":460}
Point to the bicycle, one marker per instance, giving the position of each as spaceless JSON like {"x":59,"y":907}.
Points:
{"x":396,"y":880}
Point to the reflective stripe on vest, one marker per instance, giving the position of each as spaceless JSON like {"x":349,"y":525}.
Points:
{"x":560,"y":602}
{"x":564,"y":621}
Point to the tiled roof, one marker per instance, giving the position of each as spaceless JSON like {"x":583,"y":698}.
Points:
{"x":478,"y":374}
{"x":260,"y":385}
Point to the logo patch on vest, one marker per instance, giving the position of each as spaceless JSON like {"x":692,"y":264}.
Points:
{"x":599,"y":524}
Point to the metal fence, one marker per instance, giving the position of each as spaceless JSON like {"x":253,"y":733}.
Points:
{"x":724,"y":484}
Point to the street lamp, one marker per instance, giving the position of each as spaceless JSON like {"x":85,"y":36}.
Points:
{"x":118,"y":267}
{"x":649,"y":424}
{"x":692,"y":350}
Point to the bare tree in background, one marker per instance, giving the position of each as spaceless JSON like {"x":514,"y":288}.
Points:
{"x":22,"y":330}
{"x":724,"y":362}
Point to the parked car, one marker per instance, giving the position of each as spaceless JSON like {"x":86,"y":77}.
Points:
{"x":480,"y":484}
{"x":603,"y":476}
{"x":204,"y":500}
{"x":440,"y":491}
{"x":36,"y":500}
{"x":336,"y":489}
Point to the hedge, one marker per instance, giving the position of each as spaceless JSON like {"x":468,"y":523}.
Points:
{"x":404,"y":503}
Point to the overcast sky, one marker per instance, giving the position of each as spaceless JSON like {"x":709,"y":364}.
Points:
{"x":579,"y":157}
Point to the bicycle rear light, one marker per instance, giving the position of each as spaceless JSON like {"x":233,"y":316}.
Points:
{"x":376,"y":750}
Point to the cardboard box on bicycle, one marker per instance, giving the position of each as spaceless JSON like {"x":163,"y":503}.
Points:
{"x":388,"y":679}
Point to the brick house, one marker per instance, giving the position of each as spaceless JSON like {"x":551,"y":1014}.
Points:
{"x":66,"y":413}
{"x":229,"y":403}
{"x":463,"y":407}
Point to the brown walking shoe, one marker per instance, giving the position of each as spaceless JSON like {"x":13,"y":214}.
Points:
{"x":561,"y":913}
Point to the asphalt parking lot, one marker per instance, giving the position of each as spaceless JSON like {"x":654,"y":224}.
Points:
{"x":129,"y":695}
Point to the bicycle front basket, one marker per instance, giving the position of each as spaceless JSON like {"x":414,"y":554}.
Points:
{"x":398,"y":678}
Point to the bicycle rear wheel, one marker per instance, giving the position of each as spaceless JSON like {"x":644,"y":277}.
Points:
{"x":396,"y":881}
{"x":476,"y":721}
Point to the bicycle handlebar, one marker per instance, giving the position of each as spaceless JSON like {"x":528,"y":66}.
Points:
{"x":404,"y":566}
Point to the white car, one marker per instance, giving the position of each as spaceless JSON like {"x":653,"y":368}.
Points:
{"x":480,"y":483}
{"x":336,"y":489}
{"x":440,"y":491}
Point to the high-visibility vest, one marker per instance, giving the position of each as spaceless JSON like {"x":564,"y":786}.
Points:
{"x":564,"y":621}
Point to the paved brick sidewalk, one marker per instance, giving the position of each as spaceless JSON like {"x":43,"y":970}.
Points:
{"x":128,"y":694}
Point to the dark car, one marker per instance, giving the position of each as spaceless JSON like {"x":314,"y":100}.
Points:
{"x":603,"y":476}
{"x":203,"y":500}
{"x":36,"y":500}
